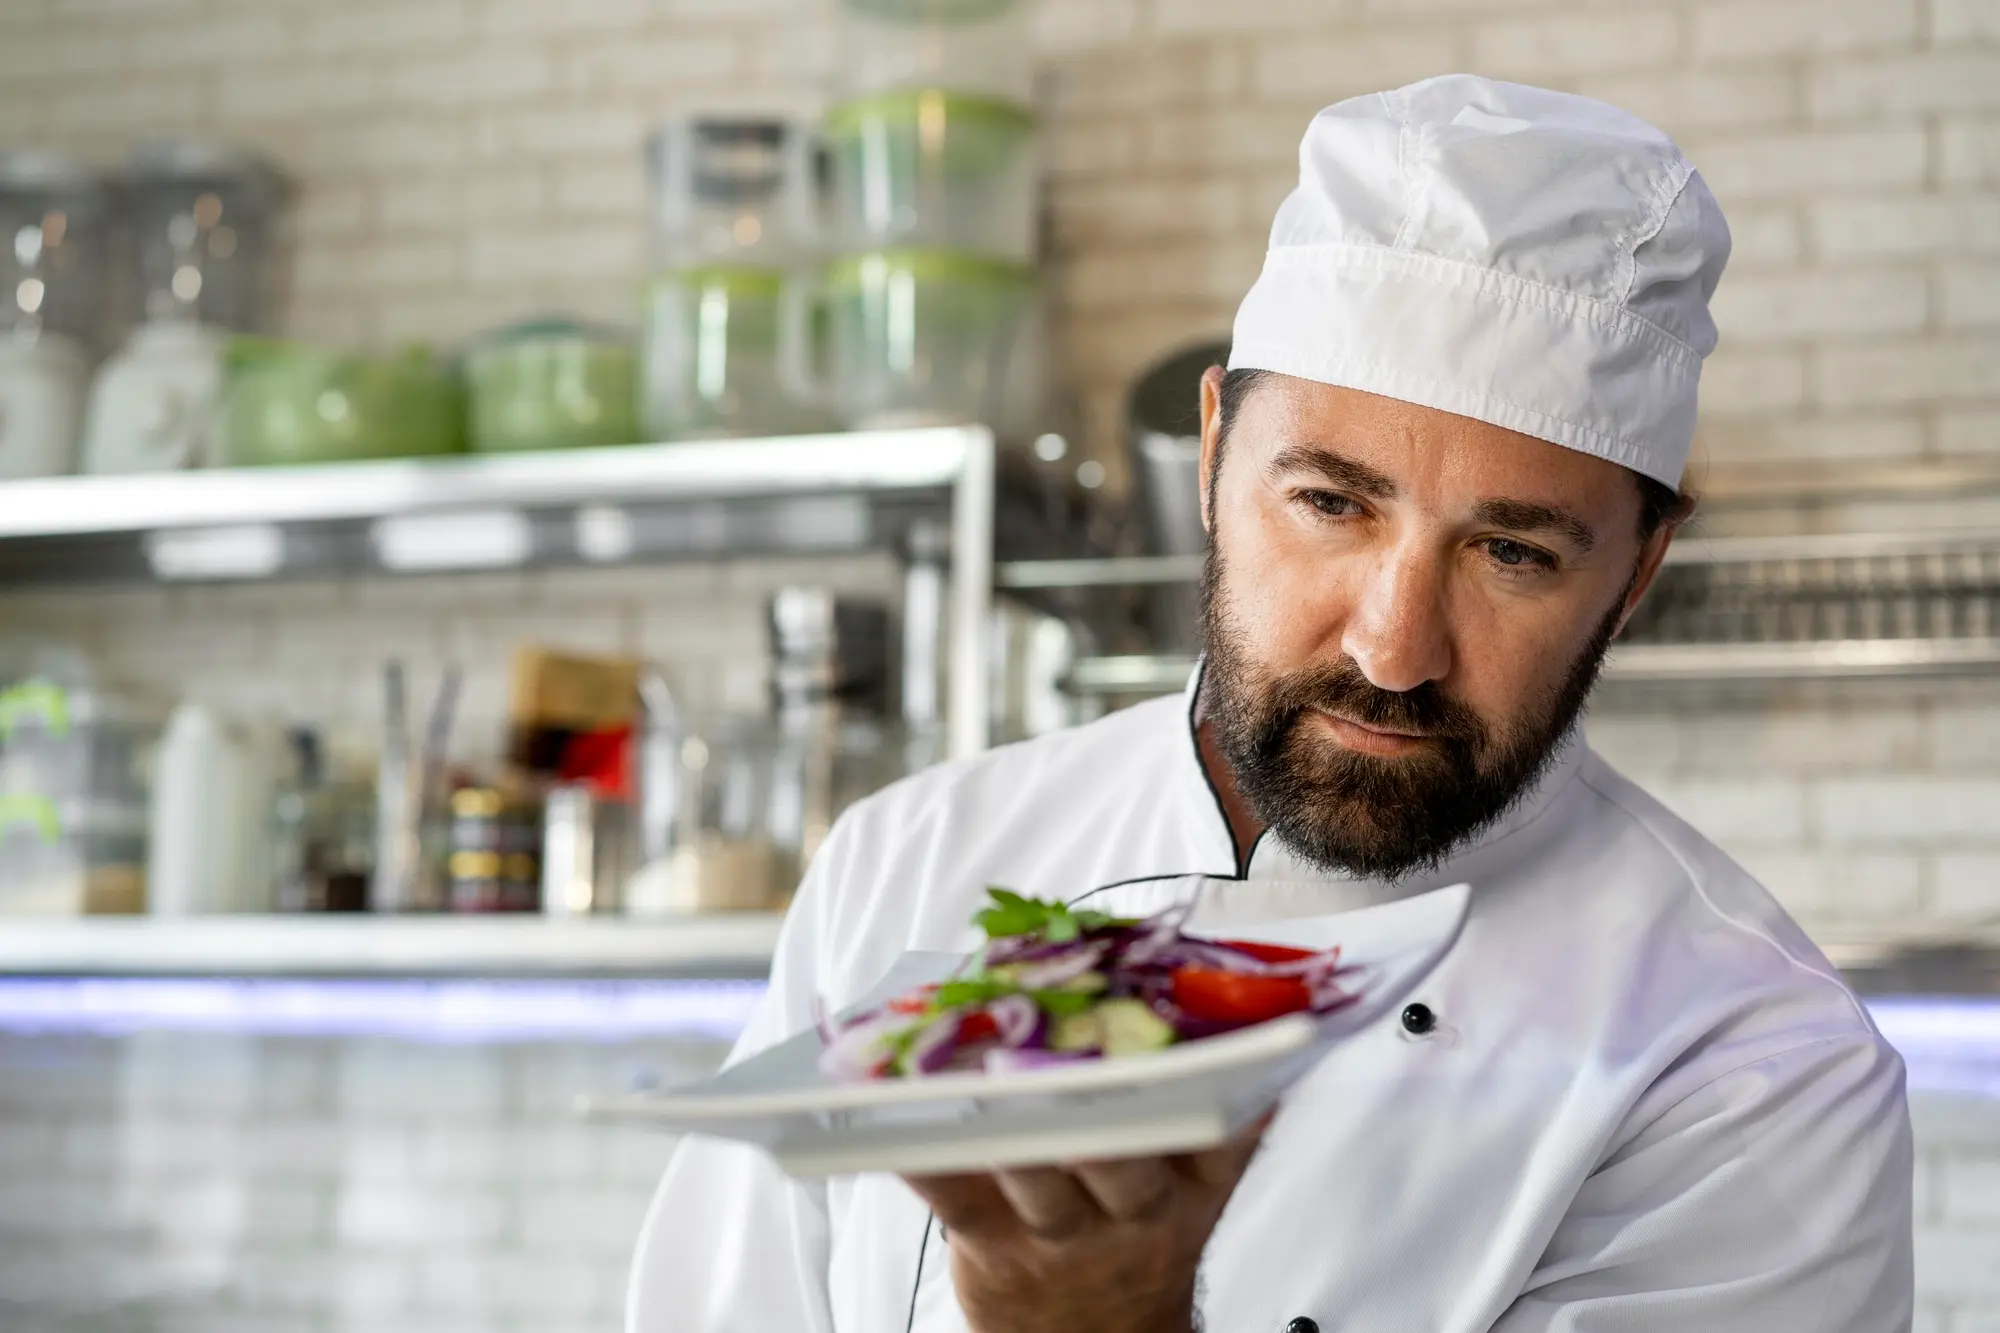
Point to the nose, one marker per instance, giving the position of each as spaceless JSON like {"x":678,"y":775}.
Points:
{"x":1397,"y":633}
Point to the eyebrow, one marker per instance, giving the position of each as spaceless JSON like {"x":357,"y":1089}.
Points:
{"x":1514,"y":515}
{"x":1526,"y":516}
{"x":1336,"y":468}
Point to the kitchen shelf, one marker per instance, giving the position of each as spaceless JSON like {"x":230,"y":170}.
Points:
{"x":723,"y":946}
{"x":873,"y":461}
{"x":1642,"y":664}
{"x":797,"y":495}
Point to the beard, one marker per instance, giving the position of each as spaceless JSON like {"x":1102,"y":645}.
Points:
{"x":1361,"y":814}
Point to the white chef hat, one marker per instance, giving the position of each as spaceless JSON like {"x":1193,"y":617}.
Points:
{"x":1533,"y":259}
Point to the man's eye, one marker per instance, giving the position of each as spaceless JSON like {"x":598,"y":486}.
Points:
{"x":1331,"y":503}
{"x":1518,"y":555}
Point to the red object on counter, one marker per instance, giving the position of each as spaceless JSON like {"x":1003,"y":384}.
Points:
{"x":601,"y":760}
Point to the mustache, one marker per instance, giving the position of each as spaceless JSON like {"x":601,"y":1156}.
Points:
{"x":1340,"y":688}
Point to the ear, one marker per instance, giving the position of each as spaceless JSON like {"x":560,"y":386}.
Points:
{"x":1651,"y":556}
{"x":1211,"y":434}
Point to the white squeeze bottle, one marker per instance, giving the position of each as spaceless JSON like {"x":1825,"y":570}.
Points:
{"x":195,"y":848}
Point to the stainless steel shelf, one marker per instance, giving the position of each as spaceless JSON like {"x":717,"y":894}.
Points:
{"x":1690,"y":550}
{"x":1644,"y":664}
{"x":1121,"y":572}
{"x":1852,"y":659}
{"x":876,"y":461}
{"x":730,"y":945}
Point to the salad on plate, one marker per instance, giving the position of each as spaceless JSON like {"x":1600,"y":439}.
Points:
{"x":1053,"y":985}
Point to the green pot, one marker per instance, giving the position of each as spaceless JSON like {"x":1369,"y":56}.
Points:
{"x":284,"y":403}
{"x":923,"y":335}
{"x":923,"y":167}
{"x":551,"y":385}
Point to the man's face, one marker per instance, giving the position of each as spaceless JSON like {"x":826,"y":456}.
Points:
{"x":1405,"y":612}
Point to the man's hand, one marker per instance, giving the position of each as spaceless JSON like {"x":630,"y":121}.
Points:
{"x":1091,"y":1247}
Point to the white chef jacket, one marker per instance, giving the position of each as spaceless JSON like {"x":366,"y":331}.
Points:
{"x":1648,"y":1105}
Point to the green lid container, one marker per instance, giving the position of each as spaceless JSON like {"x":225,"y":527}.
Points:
{"x":551,"y":384}
{"x":286,"y":403}
{"x":923,"y":335}
{"x":929,"y":168}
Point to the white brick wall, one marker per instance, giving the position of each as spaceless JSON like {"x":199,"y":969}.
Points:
{"x":214,"y":1184}
{"x":167,"y":1183}
{"x":469,"y":161}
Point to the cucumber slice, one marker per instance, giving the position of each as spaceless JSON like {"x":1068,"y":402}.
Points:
{"x":1130,"y":1027}
{"x":1116,"y":1027}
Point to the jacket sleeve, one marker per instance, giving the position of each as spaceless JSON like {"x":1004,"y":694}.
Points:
{"x":730,"y":1243}
{"x":1774,"y":1198}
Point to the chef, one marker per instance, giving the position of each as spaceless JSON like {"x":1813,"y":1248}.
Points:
{"x":1441,"y":470}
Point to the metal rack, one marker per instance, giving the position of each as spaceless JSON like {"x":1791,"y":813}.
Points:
{"x":1726,"y":610}
{"x":597,"y":507}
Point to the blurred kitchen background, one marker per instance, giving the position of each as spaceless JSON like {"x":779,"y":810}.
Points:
{"x":393,"y":750}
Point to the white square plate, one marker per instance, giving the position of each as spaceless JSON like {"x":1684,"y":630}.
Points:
{"x":1179,"y":1099}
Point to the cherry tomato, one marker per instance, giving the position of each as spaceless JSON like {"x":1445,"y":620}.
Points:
{"x":1236,"y":997}
{"x":1270,"y":953}
{"x":914,"y":1003}
{"x":978,"y":1026}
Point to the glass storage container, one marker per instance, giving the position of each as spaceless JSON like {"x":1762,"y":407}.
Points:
{"x":922,"y":337}
{"x":730,"y":349}
{"x":204,"y":218}
{"x":934,"y":168}
{"x":729,"y":333}
{"x":721,"y":852}
{"x":551,"y":384}
{"x":74,"y":791}
{"x":980,"y":47}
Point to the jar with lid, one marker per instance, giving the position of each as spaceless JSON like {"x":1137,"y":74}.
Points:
{"x":54,"y":255}
{"x":924,"y":337}
{"x":977,"y":47}
{"x":729,"y":313}
{"x":204,"y":217}
{"x":75,"y":760}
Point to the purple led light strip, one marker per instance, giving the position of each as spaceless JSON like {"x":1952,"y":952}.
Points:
{"x":1949,"y":1044}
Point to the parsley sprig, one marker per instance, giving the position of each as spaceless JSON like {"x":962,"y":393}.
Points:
{"x":1012,"y":914}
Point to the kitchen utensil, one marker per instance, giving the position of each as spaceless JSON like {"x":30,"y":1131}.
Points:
{"x":42,"y":381}
{"x":1163,"y":424}
{"x":551,"y":384}
{"x":55,"y":255}
{"x":154,"y":403}
{"x":204,"y":218}
{"x":286,"y":403}
{"x":921,"y":336}
{"x":925,"y":167}
{"x":1180,"y":1099}
{"x":398,"y":802}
